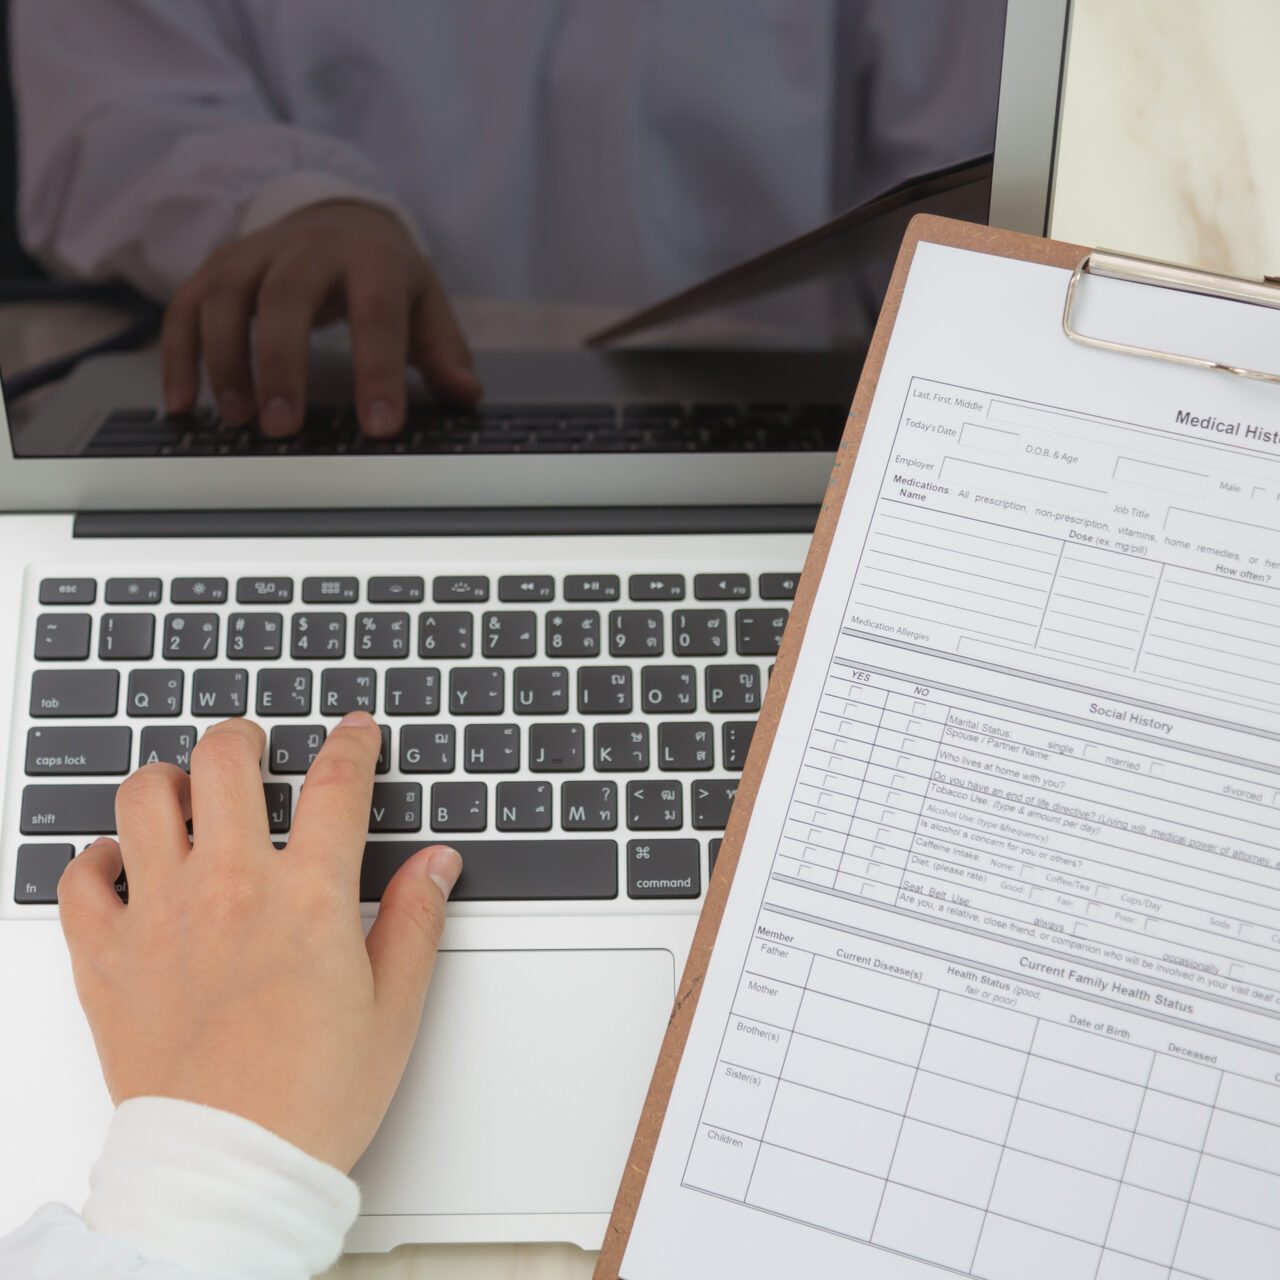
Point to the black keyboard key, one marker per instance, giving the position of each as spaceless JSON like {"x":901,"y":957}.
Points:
{"x":656,"y":586}
{"x":220,"y":693}
{"x":134,"y":591}
{"x":604,"y":691}
{"x":427,"y":748}
{"x":189,"y":637}
{"x":573,"y":634}
{"x":412,"y":691}
{"x":663,"y":869}
{"x":760,"y":631}
{"x":68,"y":591}
{"x":778,"y":586}
{"x":735,"y":742}
{"x":402,"y":590}
{"x":63,"y":637}
{"x":635,"y":633}
{"x":155,"y":693}
{"x":384,"y":750}
{"x":491,"y":748}
{"x":40,"y":867}
{"x":664,"y":690}
{"x":621,"y":748}
{"x":254,"y":635}
{"x":198,"y":591}
{"x":459,"y":806}
{"x":167,"y":744}
{"x":733,"y":688}
{"x":82,"y":694}
{"x":85,"y":749}
{"x":523,"y":806}
{"x":279,"y":798}
{"x":557,"y":748}
{"x":540,"y":691}
{"x":444,"y":635}
{"x":589,"y":806}
{"x":318,"y":635}
{"x":686,"y":745}
{"x":284,"y":692}
{"x":459,"y":590}
{"x":397,"y":806}
{"x":586,"y":588}
{"x":655,"y":806}
{"x":713,"y":852}
{"x":80,"y":809}
{"x":382,"y":635}
{"x":264,"y":590}
{"x":293,"y":747}
{"x":537,"y":870}
{"x":345,"y":689}
{"x":509,"y":635}
{"x":711,"y":799}
{"x":330,"y":590}
{"x":702,"y":633}
{"x":126,"y":637}
{"x":517,"y":588}
{"x":476,"y":691}
{"x":722,"y":586}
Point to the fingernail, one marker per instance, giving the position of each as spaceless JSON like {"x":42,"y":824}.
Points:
{"x":233,"y":407}
{"x":277,"y":417}
{"x":99,"y":840}
{"x":444,"y":866}
{"x":357,"y":720}
{"x":380,"y":419}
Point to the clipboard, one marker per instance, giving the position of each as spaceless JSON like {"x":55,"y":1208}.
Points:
{"x":931,"y":229}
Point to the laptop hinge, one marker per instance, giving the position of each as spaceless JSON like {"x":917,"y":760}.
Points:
{"x":469,"y":522}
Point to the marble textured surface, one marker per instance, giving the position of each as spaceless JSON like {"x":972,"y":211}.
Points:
{"x":1170,"y":148}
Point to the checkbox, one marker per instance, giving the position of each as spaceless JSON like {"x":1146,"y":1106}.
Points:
{"x":920,"y":709}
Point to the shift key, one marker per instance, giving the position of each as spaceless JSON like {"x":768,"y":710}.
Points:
{"x":74,"y":693}
{"x":88,"y":809}
{"x":85,"y":749}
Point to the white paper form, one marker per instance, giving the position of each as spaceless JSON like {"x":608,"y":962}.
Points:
{"x":996,"y":989}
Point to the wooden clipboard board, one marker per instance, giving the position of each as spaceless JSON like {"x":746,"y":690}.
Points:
{"x":933,"y":230}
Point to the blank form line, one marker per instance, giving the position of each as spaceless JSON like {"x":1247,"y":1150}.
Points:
{"x":1204,"y":666}
{"x":897,"y":575}
{"x":978,"y":612}
{"x":1231,"y":595}
{"x":1094,"y":622}
{"x":1213,"y":631}
{"x":1102,"y":586}
{"x":1115,"y":608}
{"x":1075,"y":635}
{"x":968,"y":555}
{"x":964,"y":533}
{"x":932,"y":564}
{"x":1208,"y":648}
{"x":1085,"y":562}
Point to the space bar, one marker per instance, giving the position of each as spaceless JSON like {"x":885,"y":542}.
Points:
{"x":506,"y":870}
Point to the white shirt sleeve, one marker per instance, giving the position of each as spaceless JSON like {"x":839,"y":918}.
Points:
{"x":145,"y":139}
{"x":185,"y":1192}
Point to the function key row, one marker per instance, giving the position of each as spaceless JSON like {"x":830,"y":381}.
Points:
{"x":465,"y":589}
{"x":408,"y":691}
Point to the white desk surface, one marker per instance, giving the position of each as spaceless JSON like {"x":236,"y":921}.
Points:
{"x":1170,"y":135}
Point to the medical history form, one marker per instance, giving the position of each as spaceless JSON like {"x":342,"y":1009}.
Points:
{"x":996,"y":992}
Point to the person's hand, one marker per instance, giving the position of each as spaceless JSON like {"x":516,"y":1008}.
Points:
{"x":320,"y":263}
{"x":238,"y":976}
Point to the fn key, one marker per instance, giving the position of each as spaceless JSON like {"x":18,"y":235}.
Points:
{"x":39,"y":868}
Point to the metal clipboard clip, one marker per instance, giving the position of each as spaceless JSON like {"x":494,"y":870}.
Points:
{"x":1168,"y":275}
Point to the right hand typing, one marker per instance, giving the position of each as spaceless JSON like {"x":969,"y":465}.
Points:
{"x":341,"y":258}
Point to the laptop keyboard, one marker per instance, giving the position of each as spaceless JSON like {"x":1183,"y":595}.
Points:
{"x":436,"y":429}
{"x":577,"y":737}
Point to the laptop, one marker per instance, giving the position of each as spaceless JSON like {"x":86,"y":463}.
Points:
{"x":563,"y":609}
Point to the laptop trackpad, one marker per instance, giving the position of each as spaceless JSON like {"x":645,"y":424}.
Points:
{"x":524,"y":1089}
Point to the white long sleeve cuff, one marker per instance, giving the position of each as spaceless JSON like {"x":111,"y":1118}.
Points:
{"x":185,"y":1192}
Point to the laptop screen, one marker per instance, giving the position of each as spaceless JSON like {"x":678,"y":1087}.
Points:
{"x":564,"y":180}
